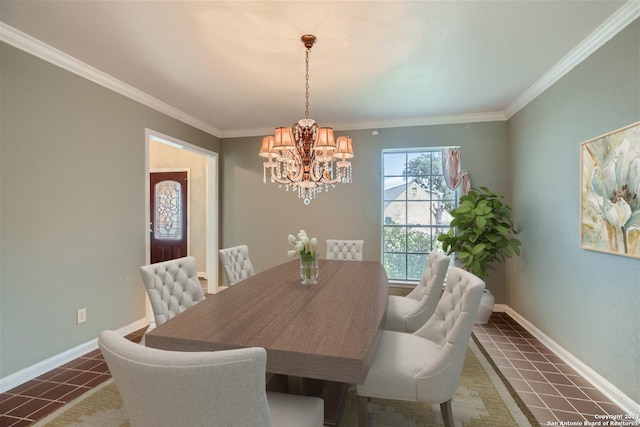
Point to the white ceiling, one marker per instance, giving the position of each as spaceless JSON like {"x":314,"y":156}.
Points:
{"x":236,"y":68}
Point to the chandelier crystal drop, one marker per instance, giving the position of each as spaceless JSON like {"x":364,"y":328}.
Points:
{"x":307,"y":157}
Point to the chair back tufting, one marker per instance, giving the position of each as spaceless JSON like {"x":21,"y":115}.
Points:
{"x":428,"y":291}
{"x":456,"y":309}
{"x":172,"y":286}
{"x":433,"y":277}
{"x":450,"y":328}
{"x":350,"y":250}
{"x":237,"y":264}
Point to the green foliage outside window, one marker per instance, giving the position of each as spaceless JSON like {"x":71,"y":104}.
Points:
{"x":406,"y":252}
{"x":407,"y":240}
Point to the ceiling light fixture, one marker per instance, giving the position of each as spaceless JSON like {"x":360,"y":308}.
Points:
{"x":305,"y":156}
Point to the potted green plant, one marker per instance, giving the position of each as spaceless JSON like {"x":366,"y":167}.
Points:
{"x":481,"y":232}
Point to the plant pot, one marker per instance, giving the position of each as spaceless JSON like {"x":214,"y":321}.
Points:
{"x":487,"y":302}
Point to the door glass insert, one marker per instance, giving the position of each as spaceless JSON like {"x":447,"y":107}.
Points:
{"x":168,"y":214}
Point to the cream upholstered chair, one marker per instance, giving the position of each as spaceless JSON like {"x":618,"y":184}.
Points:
{"x":426,"y":366}
{"x":172,"y":286}
{"x":221,"y":388}
{"x":350,"y":250}
{"x":236,"y":263}
{"x":408,"y":314}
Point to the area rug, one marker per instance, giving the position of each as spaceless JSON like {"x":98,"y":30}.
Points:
{"x":482,"y":400}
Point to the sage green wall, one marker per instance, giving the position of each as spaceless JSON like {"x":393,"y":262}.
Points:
{"x":262,"y":215}
{"x":72,"y":221}
{"x":588,"y":302}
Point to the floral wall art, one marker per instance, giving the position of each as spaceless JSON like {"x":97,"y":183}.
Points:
{"x":610,"y":192}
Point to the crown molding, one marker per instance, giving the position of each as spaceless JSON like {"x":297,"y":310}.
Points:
{"x":492,"y":116}
{"x":496,"y":116}
{"x":605,"y":32}
{"x":25,"y":42}
{"x":627,"y":13}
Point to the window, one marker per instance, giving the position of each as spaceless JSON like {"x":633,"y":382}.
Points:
{"x":416,"y":204}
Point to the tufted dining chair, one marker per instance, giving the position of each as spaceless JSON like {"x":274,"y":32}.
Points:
{"x":237,"y":264}
{"x":350,"y":250}
{"x":409,"y":313}
{"x":172,"y":286}
{"x":213,"y":388}
{"x":426,"y":366}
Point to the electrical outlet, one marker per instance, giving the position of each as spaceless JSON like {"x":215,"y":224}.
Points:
{"x":81,"y":316}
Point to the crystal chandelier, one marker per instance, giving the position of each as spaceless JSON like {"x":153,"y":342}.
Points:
{"x":304,"y":156}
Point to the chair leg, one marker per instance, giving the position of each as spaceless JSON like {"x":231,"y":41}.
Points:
{"x":362,"y":411}
{"x":447,"y":414}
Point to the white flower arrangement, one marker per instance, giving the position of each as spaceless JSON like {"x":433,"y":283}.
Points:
{"x":304,"y":246}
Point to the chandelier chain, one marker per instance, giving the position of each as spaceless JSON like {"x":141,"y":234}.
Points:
{"x":306,"y":86}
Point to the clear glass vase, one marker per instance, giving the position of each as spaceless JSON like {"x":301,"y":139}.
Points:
{"x":309,"y":269}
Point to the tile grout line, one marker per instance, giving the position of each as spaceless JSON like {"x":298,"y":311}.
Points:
{"x":517,"y":371}
{"x":505,"y":334}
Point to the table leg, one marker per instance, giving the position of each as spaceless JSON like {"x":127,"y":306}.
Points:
{"x":333,"y":393}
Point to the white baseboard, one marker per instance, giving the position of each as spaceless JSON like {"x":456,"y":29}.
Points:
{"x":599,"y":382}
{"x":33,"y":371}
{"x":501,"y":308}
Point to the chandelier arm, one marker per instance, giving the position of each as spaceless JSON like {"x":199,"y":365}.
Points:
{"x":279,"y":180}
{"x":287,"y":175}
{"x":312,"y":171}
{"x":335,"y":180}
{"x":320,"y":179}
{"x":299,"y":168}
{"x":294,"y":178}
{"x":284,"y":181}
{"x":341,"y":172}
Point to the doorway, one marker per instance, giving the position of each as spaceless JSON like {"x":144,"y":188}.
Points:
{"x":200,"y":207}
{"x":168,"y":210}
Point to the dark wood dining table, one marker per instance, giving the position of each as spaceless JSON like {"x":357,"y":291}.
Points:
{"x":328,"y":331}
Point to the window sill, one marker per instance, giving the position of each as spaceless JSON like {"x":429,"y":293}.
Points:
{"x":402,"y":284}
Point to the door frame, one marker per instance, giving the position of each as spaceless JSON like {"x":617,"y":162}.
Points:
{"x":212,"y":179}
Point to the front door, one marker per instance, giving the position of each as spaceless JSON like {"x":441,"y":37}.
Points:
{"x":168,"y":215}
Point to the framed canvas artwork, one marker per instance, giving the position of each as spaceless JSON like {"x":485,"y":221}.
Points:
{"x":610,"y":192}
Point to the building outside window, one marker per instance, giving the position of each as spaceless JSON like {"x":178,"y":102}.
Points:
{"x":416,"y":205}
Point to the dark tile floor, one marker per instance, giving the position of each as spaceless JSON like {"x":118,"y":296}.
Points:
{"x":27,"y":403}
{"x":551,"y":390}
